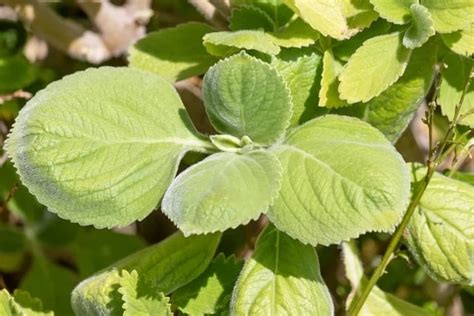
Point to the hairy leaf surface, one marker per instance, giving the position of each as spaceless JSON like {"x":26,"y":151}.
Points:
{"x":450,"y":15}
{"x":395,"y":11}
{"x":227,"y":43}
{"x":421,"y":28}
{"x":296,"y":34}
{"x":341,"y":178}
{"x":21,"y":304}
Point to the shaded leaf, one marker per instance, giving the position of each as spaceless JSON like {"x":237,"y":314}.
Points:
{"x":248,"y":17}
{"x":296,"y":34}
{"x":395,"y":11}
{"x":461,"y":42}
{"x":329,"y":94}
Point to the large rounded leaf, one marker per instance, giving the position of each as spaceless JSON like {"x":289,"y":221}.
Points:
{"x":101,"y":146}
{"x":223,"y":191}
{"x":341,"y":178}
{"x":247,"y":97}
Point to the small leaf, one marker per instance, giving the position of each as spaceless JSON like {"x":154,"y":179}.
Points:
{"x":248,"y":17}
{"x":454,"y":77}
{"x":440,"y":233}
{"x":101,"y":146}
{"x":167,"y":266}
{"x":21,"y":304}
{"x":421,"y":28}
{"x":392,"y":111}
{"x":395,"y":11}
{"x":300,"y":70}
{"x":163,"y":52}
{"x":341,"y":178}
{"x":383,"y":59}
{"x":296,"y":34}
{"x":329,"y":94}
{"x":275,"y":9}
{"x":378,"y":303}
{"x":223,"y":191}
{"x":140,"y":298}
{"x":210,"y":293}
{"x":281,"y":276}
{"x":461,"y":42}
{"x":325,"y":16}
{"x":450,"y":16}
{"x":244,"y":96}
{"x":228,"y":43}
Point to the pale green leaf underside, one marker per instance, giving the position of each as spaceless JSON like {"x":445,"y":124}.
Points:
{"x":210,"y":293}
{"x":441,"y":232}
{"x":421,"y":28}
{"x":393,"y":109}
{"x":223,"y":191}
{"x":141,"y":299}
{"x":375,"y":66}
{"x":174,"y":53}
{"x":244,"y":96}
{"x":450,"y":15}
{"x":461,"y":42}
{"x":101,"y":146}
{"x":301,"y":76}
{"x":325,"y":16}
{"x":454,"y":78}
{"x":226,"y":43}
{"x":329,"y":94}
{"x":395,"y":11}
{"x":281,"y":278}
{"x":379,"y":302}
{"x":341,"y":178}
{"x":168,"y":265}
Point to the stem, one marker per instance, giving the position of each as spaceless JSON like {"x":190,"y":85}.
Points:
{"x":435,"y":156}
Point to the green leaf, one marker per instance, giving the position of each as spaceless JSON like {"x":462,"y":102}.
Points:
{"x":163,"y":52}
{"x":12,"y":37}
{"x":300,"y":70}
{"x":421,"y":28}
{"x":329,"y":95}
{"x":440,"y":233}
{"x":450,"y":15}
{"x":236,"y":107}
{"x":228,"y":43}
{"x":248,"y":17}
{"x":101,"y":146}
{"x":341,"y":178}
{"x":108,"y":248}
{"x":13,"y":246}
{"x":282,"y":277}
{"x":454,"y":77}
{"x":141,"y":299}
{"x":395,"y":11}
{"x":467,"y":177}
{"x":461,"y":42}
{"x":378,"y":303}
{"x":16,"y":73}
{"x":392,"y":111}
{"x":275,"y":9}
{"x":223,"y":191}
{"x":359,"y":13}
{"x":296,"y":34}
{"x":21,"y":304}
{"x":383,"y":59}
{"x":210,"y":293}
{"x":325,"y":16}
{"x":168,"y":265}
{"x":59,"y":280}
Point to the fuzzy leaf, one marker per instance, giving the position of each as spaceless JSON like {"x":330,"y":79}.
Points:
{"x":395,"y":11}
{"x":140,"y":298}
{"x":383,"y":59}
{"x":210,"y":293}
{"x":296,"y":34}
{"x":359,"y":13}
{"x":441,"y":231}
{"x":21,"y":304}
{"x":421,"y":28}
{"x":378,"y":303}
{"x":461,"y":42}
{"x":300,"y":73}
{"x":101,"y":146}
{"x":341,"y":178}
{"x":162,"y":52}
{"x":223,"y":191}
{"x":281,"y":276}
{"x":454,"y":78}
{"x":450,"y":15}
{"x":392,"y":111}
{"x":248,"y":17}
{"x":329,"y":94}
{"x":325,"y":16}
{"x":228,"y":43}
{"x":244,"y":96}
{"x":167,"y":266}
